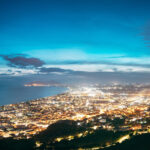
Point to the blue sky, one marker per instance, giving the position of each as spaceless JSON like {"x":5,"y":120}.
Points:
{"x":78,"y":35}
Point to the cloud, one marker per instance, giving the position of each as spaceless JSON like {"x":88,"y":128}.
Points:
{"x":134,"y":62}
{"x":146,"y":34}
{"x":76,"y":68}
{"x":53,"y":70}
{"x":22,"y":61}
{"x":103,"y":63}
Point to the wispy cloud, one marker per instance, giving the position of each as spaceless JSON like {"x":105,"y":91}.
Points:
{"x":119,"y":61}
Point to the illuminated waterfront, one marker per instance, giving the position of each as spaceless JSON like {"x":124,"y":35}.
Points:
{"x":113,"y":108}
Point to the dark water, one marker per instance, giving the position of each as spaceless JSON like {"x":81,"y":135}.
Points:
{"x":11,"y":95}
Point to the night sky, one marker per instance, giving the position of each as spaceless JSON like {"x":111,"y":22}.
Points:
{"x":65,"y":36}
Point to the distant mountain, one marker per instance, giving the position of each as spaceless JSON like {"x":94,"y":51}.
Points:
{"x":39,"y":83}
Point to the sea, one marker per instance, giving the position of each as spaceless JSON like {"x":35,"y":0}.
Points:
{"x":12,"y":95}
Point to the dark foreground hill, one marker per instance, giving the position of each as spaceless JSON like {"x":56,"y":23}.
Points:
{"x":98,"y":138}
{"x":11,"y":144}
{"x":61,"y":128}
{"x":139,"y":142}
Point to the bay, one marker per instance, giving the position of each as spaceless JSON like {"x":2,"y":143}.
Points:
{"x":11,"y":95}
